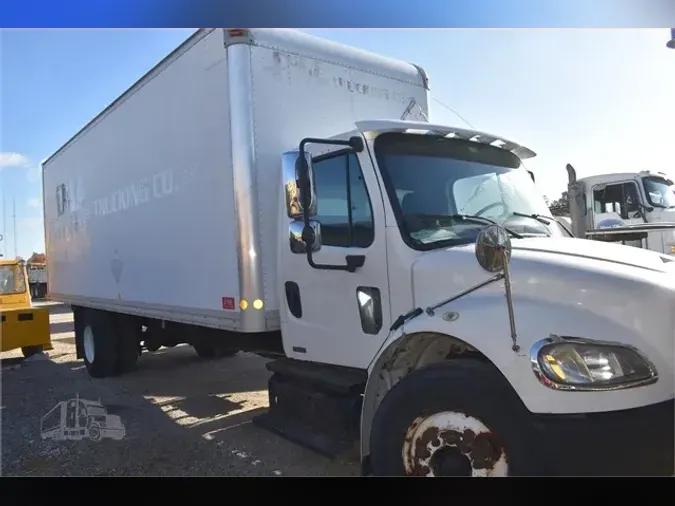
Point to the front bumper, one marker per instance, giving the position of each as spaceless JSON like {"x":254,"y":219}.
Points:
{"x":634,"y":442}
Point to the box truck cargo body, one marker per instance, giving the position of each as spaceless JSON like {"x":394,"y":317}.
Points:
{"x":267,"y":191}
{"x":183,"y":170}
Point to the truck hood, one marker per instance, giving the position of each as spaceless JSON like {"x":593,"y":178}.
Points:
{"x":439,"y":274}
{"x":660,"y":215}
{"x":597,"y":250}
{"x":567,"y":287}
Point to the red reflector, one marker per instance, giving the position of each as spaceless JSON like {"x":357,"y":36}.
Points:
{"x":228,"y":303}
{"x":237,"y":33}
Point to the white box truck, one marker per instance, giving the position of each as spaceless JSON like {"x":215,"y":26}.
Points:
{"x":37,"y":279}
{"x":267,"y":191}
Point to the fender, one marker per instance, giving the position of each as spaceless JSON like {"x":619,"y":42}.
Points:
{"x":478,"y":324}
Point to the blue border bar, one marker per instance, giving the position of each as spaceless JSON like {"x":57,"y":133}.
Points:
{"x":338,"y":14}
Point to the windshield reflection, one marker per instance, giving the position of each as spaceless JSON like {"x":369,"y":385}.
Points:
{"x":660,"y":191}
{"x":11,"y":280}
{"x":429,"y":179}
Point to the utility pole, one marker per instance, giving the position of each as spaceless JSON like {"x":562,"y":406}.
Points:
{"x":4,"y":224}
{"x":14,"y":216}
{"x":671,"y":42}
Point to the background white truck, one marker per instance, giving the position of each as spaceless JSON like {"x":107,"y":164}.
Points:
{"x":635,"y":209}
{"x":258,"y":190}
{"x":37,"y":279}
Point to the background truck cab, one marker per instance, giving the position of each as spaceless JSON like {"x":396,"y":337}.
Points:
{"x":638,"y":208}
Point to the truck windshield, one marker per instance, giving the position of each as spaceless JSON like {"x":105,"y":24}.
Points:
{"x":660,"y":191}
{"x":429,"y":179}
{"x":12,"y":280}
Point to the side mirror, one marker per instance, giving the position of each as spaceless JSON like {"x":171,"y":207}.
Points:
{"x":299,"y":238}
{"x":293,"y":185}
{"x":299,"y":173}
{"x":493,"y":252}
{"x":493,"y":248}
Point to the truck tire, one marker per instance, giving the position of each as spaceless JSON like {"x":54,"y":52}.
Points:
{"x":212,"y":352}
{"x":29,"y":351}
{"x":94,"y":432}
{"x":99,"y":344}
{"x":455,"y":418}
{"x":128,"y":345}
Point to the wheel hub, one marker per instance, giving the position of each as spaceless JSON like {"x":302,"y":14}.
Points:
{"x":88,"y":344}
{"x":450,"y":461}
{"x":451,"y":443}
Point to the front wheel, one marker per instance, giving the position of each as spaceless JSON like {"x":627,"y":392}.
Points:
{"x":29,"y":351}
{"x":210,"y":351}
{"x":456,"y":418}
{"x":94,"y":432}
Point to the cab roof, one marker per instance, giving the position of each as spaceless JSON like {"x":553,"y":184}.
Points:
{"x":423,"y":128}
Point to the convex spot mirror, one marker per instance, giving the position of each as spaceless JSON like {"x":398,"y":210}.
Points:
{"x":493,"y":248}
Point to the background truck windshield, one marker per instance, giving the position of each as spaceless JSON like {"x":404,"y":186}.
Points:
{"x":11,"y":280}
{"x":660,"y":192}
{"x":430,"y":178}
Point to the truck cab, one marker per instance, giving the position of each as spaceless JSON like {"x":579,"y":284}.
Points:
{"x":643,"y":201}
{"x":14,"y":291}
{"x":420,"y":189}
{"x":23,"y":325}
{"x":385,"y":280}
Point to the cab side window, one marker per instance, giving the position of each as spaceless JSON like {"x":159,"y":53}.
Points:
{"x":343,"y":205}
{"x":619,"y":198}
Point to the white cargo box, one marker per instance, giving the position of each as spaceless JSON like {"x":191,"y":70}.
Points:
{"x":165,"y":205}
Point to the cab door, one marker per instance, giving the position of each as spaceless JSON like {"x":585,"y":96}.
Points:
{"x":615,"y":204}
{"x":335,"y":316}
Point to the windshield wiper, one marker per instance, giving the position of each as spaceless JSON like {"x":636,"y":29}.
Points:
{"x":546,"y":220}
{"x":472,"y":217}
{"x":465,"y":217}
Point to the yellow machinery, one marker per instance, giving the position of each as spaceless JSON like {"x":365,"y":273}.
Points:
{"x":23,"y":326}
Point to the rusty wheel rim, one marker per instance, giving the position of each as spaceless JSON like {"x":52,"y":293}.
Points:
{"x":451,"y":443}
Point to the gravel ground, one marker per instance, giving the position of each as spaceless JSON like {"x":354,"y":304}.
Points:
{"x":182,"y":416}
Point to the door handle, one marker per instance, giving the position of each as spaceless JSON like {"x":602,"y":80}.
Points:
{"x":355,"y":262}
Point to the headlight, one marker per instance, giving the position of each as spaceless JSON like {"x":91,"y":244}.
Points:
{"x":670,"y":249}
{"x":580,"y":364}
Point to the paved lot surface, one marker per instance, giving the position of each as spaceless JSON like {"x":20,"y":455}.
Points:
{"x":181,"y":416}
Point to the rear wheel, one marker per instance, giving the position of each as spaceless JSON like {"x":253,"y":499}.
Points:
{"x":129,"y":343}
{"x":29,"y":351}
{"x":457,"y":418}
{"x":99,"y":343}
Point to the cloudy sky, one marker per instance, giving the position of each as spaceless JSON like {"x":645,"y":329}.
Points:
{"x":603,"y":100}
